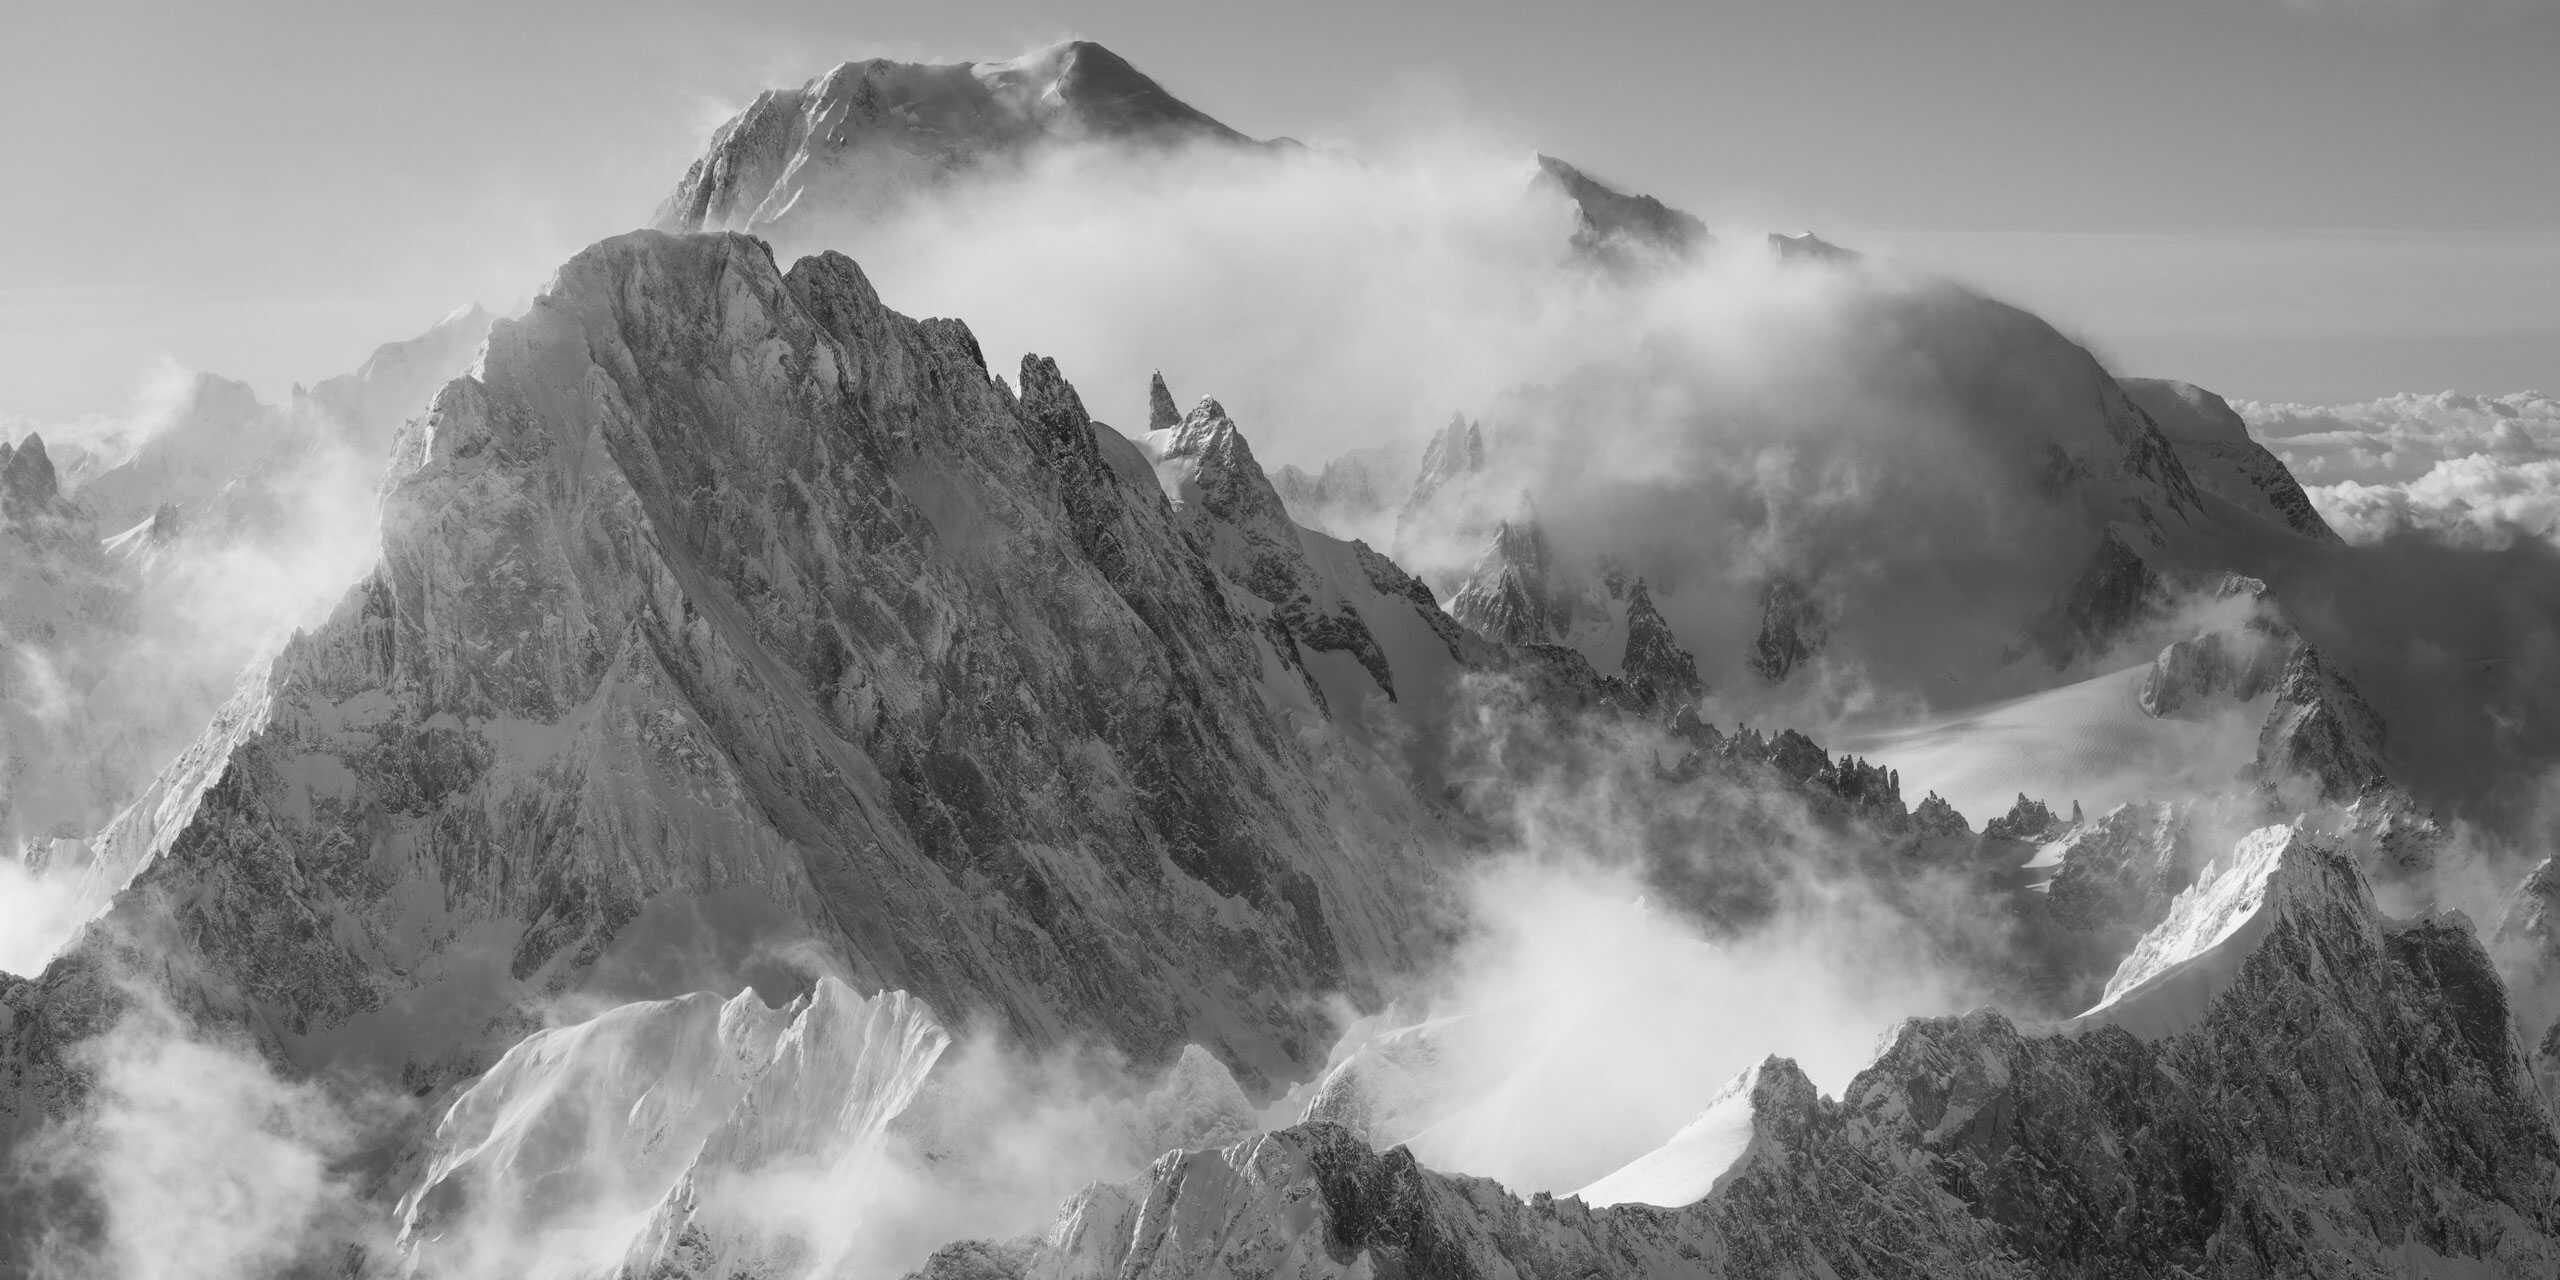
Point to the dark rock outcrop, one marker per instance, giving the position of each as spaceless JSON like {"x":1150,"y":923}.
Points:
{"x":1661,"y":673}
{"x":1793,"y":627}
{"x":1619,"y":228}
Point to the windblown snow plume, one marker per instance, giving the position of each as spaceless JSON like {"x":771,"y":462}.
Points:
{"x":839,"y":1135}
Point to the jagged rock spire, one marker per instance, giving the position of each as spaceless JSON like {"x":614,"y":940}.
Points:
{"x":1455,"y":450}
{"x":1510,"y":599}
{"x":2320,"y":732}
{"x":1793,"y":628}
{"x":1161,"y":415}
{"x":1934,"y":816}
{"x":1659,"y":671}
{"x":2026,"y":820}
{"x":27,"y":480}
{"x":1611,"y":222}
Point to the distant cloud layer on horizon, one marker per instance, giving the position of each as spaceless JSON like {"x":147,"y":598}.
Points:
{"x":2426,"y":10}
{"x":2477,"y":470}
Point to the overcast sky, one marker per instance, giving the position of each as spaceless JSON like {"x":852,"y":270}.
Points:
{"x":2281,"y":199}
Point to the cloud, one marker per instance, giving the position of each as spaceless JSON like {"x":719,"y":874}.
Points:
{"x":2426,"y":12}
{"x":1880,"y":436}
{"x":1636,"y":936}
{"x":224,"y":525}
{"x":1332,"y":300}
{"x":37,"y":913}
{"x":198,"y":1161}
{"x":83,"y":446}
{"x":1584,"y":1020}
{"x":2475,"y":500}
{"x":2475,"y":470}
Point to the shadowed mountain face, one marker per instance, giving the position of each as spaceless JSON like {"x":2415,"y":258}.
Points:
{"x":1612,"y":222}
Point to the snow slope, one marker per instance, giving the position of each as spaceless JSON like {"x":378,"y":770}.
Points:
{"x":625,"y":1133}
{"x":1685,"y":1169}
{"x":2089,"y":742}
{"x":866,"y":135}
{"x":2213,"y":925}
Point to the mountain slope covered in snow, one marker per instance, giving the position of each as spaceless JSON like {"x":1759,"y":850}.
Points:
{"x":868,"y":134}
{"x":788,"y":796}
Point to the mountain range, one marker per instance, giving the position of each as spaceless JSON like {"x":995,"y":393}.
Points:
{"x":713,"y":776}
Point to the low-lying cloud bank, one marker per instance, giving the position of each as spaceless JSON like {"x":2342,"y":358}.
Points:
{"x":195,"y":1160}
{"x":2474,"y":470}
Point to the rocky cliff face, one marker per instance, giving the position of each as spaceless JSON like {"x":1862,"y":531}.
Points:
{"x":725,"y":610}
{"x":2214,"y":446}
{"x":1513,"y":596}
{"x":1620,"y":229}
{"x":62,"y":603}
{"x":1792,"y":629}
{"x":30,"y":492}
{"x":1325,"y":596}
{"x":1660,"y":672}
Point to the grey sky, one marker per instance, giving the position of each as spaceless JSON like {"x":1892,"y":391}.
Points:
{"x":2315,"y":199}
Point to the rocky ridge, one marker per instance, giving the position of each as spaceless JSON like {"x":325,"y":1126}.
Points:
{"x":710,"y":609}
{"x":1973,"y":1146}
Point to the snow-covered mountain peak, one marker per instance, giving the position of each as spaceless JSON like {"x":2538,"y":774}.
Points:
{"x":1204,"y":461}
{"x":871,"y":133}
{"x":2271,"y":876}
{"x":1081,"y":85}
